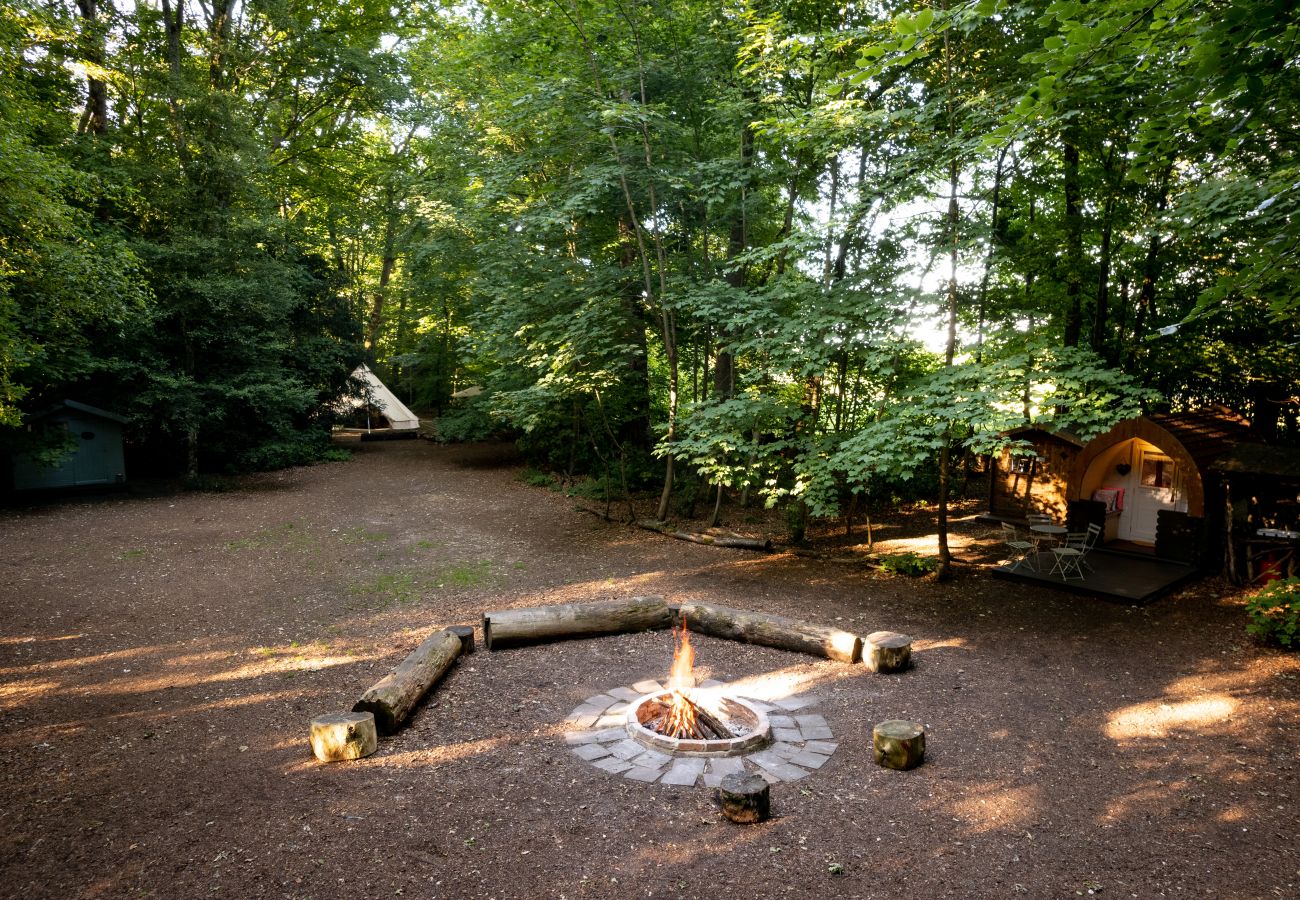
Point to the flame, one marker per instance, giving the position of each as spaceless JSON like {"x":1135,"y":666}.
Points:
{"x":681,"y":679}
{"x":682,"y":675}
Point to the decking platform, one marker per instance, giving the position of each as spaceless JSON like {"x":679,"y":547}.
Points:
{"x":1118,"y":576}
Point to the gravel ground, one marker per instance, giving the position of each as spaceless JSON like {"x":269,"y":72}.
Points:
{"x":160,"y":658}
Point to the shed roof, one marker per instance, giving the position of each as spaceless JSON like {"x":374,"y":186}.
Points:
{"x":1060,"y":434}
{"x":80,"y":407}
{"x":1261,"y":460}
{"x":1206,"y":434}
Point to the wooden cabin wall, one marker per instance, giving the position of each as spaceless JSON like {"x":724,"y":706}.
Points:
{"x":1013,"y":495}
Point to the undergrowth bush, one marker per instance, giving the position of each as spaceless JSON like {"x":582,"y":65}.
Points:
{"x":471,"y":422}
{"x":535,"y":478}
{"x":298,"y":448}
{"x":909,"y":563}
{"x":1274,"y":613}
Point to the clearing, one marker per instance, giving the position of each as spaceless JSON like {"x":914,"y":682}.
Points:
{"x":162,"y":656}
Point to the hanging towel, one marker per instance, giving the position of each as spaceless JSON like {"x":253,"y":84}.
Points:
{"x":1113,"y":497}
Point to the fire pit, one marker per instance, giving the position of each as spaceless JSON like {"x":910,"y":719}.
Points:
{"x":647,"y":732}
{"x":686,"y":721}
{"x":723,"y":725}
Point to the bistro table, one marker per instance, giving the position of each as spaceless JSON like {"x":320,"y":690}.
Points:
{"x":1045,"y":534}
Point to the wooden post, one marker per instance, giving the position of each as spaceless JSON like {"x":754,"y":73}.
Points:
{"x":392,"y":698}
{"x":898,"y":745}
{"x":343,"y":736}
{"x":745,"y":798}
{"x":514,"y":627}
{"x":771,"y":631}
{"x":887,"y":651}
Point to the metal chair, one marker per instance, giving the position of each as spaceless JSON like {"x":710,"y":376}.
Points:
{"x":1072,"y":556}
{"x":1020,"y":548}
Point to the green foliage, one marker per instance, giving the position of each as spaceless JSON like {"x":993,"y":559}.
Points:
{"x":911,"y":564}
{"x":1273,"y":613}
{"x":535,"y":478}
{"x":471,"y":421}
{"x":651,"y":222}
{"x":296,"y":449}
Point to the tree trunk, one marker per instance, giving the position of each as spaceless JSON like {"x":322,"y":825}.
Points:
{"x":1102,"y":312}
{"x":1073,"y":242}
{"x":949,"y":354}
{"x":1151,"y":266}
{"x":94,"y":119}
{"x":636,"y":430}
{"x":192,"y":452}
{"x":982,"y":300}
{"x":376,"y":322}
{"x":771,"y":631}
{"x":173,"y":23}
{"x":724,"y":364}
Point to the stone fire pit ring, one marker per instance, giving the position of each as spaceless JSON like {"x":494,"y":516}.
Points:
{"x":801,"y":741}
{"x":735,"y":711}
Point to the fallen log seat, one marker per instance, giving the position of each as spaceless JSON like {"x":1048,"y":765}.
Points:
{"x":770,"y":631}
{"x":887,"y":651}
{"x":516,"y":627}
{"x":715,"y":537}
{"x":343,"y":736}
{"x":392,"y":698}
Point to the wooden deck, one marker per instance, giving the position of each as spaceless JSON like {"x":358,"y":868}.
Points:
{"x":1124,"y":577}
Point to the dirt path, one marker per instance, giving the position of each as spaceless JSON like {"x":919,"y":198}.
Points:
{"x":160,"y":659}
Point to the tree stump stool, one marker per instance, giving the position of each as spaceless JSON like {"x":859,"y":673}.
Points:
{"x":745,"y":798}
{"x":887,"y":651}
{"x":466,"y":635}
{"x":344,"y":736}
{"x":898,"y":744}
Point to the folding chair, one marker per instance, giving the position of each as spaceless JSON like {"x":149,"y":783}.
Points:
{"x":1073,"y":555}
{"x":1020,"y":548}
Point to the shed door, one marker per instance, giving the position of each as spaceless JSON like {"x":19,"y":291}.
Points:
{"x":1155,"y":484}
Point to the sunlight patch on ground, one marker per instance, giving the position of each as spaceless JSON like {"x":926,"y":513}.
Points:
{"x":993,"y":807}
{"x":690,"y":853}
{"x":946,"y":644}
{"x":782,"y":683}
{"x":1140,"y":801}
{"x":38,"y":640}
{"x":74,"y":662}
{"x":16,"y":693}
{"x":425,"y":756}
{"x":1156,"y":719}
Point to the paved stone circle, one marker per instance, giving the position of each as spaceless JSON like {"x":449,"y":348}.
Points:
{"x":802,"y":741}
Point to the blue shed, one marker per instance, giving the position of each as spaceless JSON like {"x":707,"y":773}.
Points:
{"x":96,"y":458}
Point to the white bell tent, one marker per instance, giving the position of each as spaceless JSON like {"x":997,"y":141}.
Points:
{"x":381,"y":400}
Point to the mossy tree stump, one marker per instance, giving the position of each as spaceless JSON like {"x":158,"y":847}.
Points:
{"x":745,"y":798}
{"x":898,"y":744}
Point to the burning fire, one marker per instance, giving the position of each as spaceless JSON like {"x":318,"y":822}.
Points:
{"x":681,"y":720}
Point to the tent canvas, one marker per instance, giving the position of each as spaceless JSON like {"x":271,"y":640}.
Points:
{"x":381,"y":399}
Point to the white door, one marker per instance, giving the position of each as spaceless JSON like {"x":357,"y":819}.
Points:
{"x":1154,"y":487}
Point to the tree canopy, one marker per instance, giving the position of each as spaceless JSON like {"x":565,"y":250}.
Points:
{"x":796,"y":250}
